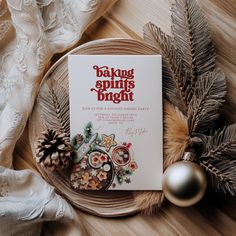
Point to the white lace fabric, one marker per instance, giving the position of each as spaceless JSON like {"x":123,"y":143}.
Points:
{"x":31,"y":32}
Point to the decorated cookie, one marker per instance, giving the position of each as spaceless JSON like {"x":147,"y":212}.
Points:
{"x":95,"y":171}
{"x":100,"y":162}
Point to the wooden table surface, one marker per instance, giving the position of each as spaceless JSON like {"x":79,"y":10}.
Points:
{"x":214,"y":215}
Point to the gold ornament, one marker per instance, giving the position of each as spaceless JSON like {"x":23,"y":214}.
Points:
{"x":184,"y":183}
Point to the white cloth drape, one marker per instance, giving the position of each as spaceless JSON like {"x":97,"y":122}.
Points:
{"x":29,"y":201}
{"x":31,"y":32}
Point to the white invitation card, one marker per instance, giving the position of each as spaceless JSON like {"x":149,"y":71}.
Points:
{"x":116,"y":122}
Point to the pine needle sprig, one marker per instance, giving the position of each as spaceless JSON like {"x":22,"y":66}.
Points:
{"x":208,"y":98}
{"x":220,"y":143}
{"x":170,"y":90}
{"x":88,"y":132}
{"x":54,"y":102}
{"x":155,"y":36}
{"x":191,"y":34}
{"x":221,"y":175}
{"x":219,"y":159}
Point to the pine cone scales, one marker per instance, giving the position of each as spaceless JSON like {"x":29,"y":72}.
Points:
{"x":54,"y":150}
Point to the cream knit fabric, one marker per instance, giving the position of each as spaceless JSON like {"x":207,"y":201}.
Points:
{"x":31,"y":32}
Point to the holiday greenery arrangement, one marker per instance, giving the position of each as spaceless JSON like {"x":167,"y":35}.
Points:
{"x":194,"y":93}
{"x":194,"y":90}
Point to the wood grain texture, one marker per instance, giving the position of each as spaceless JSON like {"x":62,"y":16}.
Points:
{"x":214,"y":215}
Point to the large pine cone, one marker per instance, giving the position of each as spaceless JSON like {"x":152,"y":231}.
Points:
{"x":54,"y":150}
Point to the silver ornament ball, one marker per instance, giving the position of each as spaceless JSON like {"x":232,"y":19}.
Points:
{"x":184,"y":183}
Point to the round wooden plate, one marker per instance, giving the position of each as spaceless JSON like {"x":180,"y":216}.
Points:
{"x":102,"y":203}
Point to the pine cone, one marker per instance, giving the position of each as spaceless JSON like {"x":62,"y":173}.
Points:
{"x":54,"y":150}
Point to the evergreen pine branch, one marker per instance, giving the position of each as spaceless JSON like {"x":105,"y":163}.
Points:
{"x":170,"y":90}
{"x":54,"y":102}
{"x":220,"y":143}
{"x":192,"y":36}
{"x":219,"y":159}
{"x":221,"y":175}
{"x":88,"y":131}
{"x":208,"y":98}
{"x":176,"y":72}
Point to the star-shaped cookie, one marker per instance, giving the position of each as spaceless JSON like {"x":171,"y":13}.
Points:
{"x":108,"y":141}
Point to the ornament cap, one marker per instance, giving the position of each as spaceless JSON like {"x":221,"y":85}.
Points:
{"x":190,"y":156}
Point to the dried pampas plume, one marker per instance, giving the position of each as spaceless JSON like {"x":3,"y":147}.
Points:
{"x":176,"y":140}
{"x":176,"y":134}
{"x":149,"y":201}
